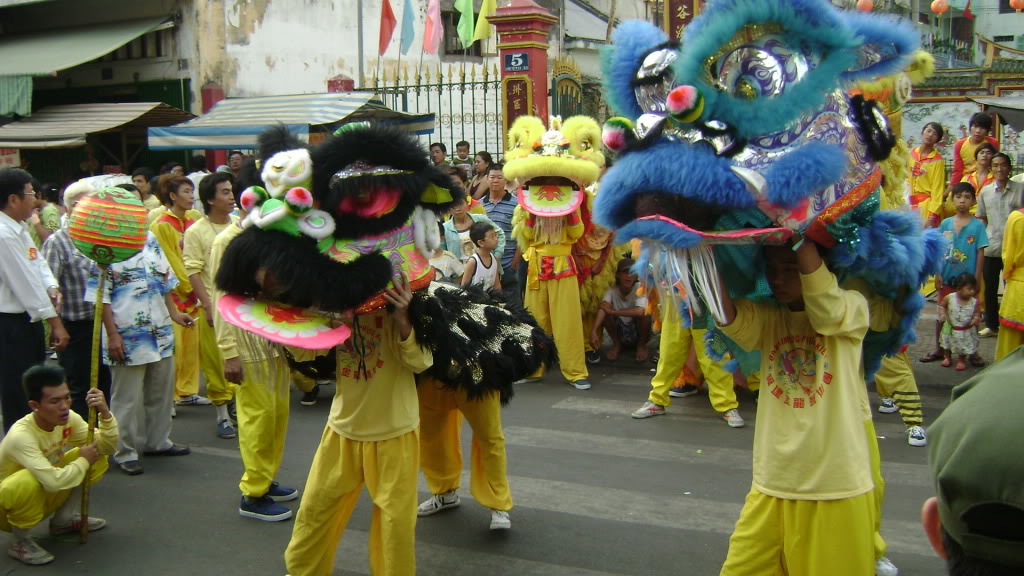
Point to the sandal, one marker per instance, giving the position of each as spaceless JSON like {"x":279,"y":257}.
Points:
{"x":946,"y":363}
{"x":961,"y":366}
{"x":976,"y":361}
{"x":930,"y":357}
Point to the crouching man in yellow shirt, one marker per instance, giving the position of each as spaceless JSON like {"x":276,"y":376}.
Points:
{"x":371,"y":438}
{"x":37,"y":477}
{"x":810,"y":508}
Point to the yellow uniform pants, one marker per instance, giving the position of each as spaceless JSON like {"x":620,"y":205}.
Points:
{"x":302,"y":382}
{"x":441,"y":448}
{"x":24,"y":503}
{"x":340,"y":468}
{"x":775,"y":537}
{"x":675,"y":345}
{"x":895,"y":379}
{"x":879,"y":493}
{"x":196,"y":348}
{"x":556,"y":306}
{"x":1009,"y":339}
{"x":262,"y":404}
{"x":588,"y":325}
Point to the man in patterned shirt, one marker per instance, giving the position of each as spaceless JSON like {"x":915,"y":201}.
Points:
{"x":137,"y":315}
{"x":71,"y":269}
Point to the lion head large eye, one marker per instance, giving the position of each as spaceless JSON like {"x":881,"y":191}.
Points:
{"x":757,"y":71}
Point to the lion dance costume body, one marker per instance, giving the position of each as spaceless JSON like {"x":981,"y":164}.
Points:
{"x":329,"y":229}
{"x":745,"y":135}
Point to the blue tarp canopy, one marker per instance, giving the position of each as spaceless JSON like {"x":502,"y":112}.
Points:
{"x":236,"y":123}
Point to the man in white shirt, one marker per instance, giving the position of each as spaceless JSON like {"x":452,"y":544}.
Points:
{"x":28,"y":295}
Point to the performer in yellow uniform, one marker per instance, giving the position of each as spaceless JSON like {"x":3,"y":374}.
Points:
{"x":553,"y":292}
{"x":441,"y":450}
{"x":39,"y":476}
{"x":1011,"y":311}
{"x":218,"y":200}
{"x":811,"y":507}
{"x":169,"y":229}
{"x":371,"y":438}
{"x":262,"y":398}
{"x":672,"y":352}
{"x":552,"y":169}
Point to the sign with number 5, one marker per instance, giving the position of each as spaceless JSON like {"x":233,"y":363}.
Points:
{"x":517,"y":62}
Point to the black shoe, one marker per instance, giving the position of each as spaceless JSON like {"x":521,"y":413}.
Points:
{"x":174,"y":450}
{"x":310,"y":398}
{"x":130,"y":467}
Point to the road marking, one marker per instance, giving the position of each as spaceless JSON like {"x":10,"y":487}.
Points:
{"x":435,"y":559}
{"x":666,"y":511}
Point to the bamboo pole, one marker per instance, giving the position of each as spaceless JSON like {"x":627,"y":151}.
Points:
{"x":94,"y":378}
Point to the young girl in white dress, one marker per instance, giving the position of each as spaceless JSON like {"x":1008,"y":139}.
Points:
{"x":960,"y":315}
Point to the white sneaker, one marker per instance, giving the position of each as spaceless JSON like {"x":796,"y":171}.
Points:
{"x":887,"y":406}
{"x":437,"y":503}
{"x":28,"y":552}
{"x":733,"y":419}
{"x":499,"y":520}
{"x":193,"y":400}
{"x":58,"y":528}
{"x":649,"y":409}
{"x":916,"y":437}
{"x":885,"y":567}
{"x":987,"y":332}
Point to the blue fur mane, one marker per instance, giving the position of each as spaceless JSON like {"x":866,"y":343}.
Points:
{"x":632,"y":41}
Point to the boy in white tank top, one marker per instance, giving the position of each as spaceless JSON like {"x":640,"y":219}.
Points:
{"x":482,"y":269}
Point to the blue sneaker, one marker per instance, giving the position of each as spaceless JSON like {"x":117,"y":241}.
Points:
{"x":279,"y":493}
{"x":263,"y":508}
{"x":225,"y":430}
{"x":581,"y":385}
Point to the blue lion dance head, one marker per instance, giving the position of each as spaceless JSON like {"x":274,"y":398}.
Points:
{"x":745,"y":134}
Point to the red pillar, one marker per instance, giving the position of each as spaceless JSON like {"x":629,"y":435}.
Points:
{"x":523,"y":29}
{"x":211,"y":93}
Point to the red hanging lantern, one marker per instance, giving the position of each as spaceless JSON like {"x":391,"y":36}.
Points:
{"x":868,"y":5}
{"x":1017,"y":5}
{"x":940,"y":7}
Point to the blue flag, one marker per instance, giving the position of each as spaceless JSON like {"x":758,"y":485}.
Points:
{"x":408,"y":32}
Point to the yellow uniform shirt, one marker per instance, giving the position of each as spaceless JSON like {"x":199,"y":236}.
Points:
{"x":29,"y":447}
{"x":170,"y":233}
{"x":382,"y":403}
{"x":152,"y":202}
{"x":547,"y":258}
{"x":809,"y":443}
{"x":927,"y":180}
{"x":198,"y":245}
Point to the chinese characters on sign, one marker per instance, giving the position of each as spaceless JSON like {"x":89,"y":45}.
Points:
{"x":518,"y":99}
{"x":678,"y":15}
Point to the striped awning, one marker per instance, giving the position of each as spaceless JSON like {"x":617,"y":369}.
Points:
{"x":236,"y":123}
{"x":67,"y":126}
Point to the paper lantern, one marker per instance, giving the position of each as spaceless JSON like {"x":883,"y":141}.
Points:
{"x":940,"y":7}
{"x":865,"y":5}
{"x":1017,"y":5}
{"x":109,"y":225}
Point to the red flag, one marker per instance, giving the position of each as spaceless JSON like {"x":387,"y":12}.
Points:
{"x":967,"y":11}
{"x":387,"y":26}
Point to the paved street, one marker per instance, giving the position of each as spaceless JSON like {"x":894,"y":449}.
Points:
{"x":596,"y":493}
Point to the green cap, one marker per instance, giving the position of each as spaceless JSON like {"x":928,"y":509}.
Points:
{"x":978,"y":465}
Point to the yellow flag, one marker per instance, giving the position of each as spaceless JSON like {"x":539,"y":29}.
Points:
{"x":483,"y":27}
